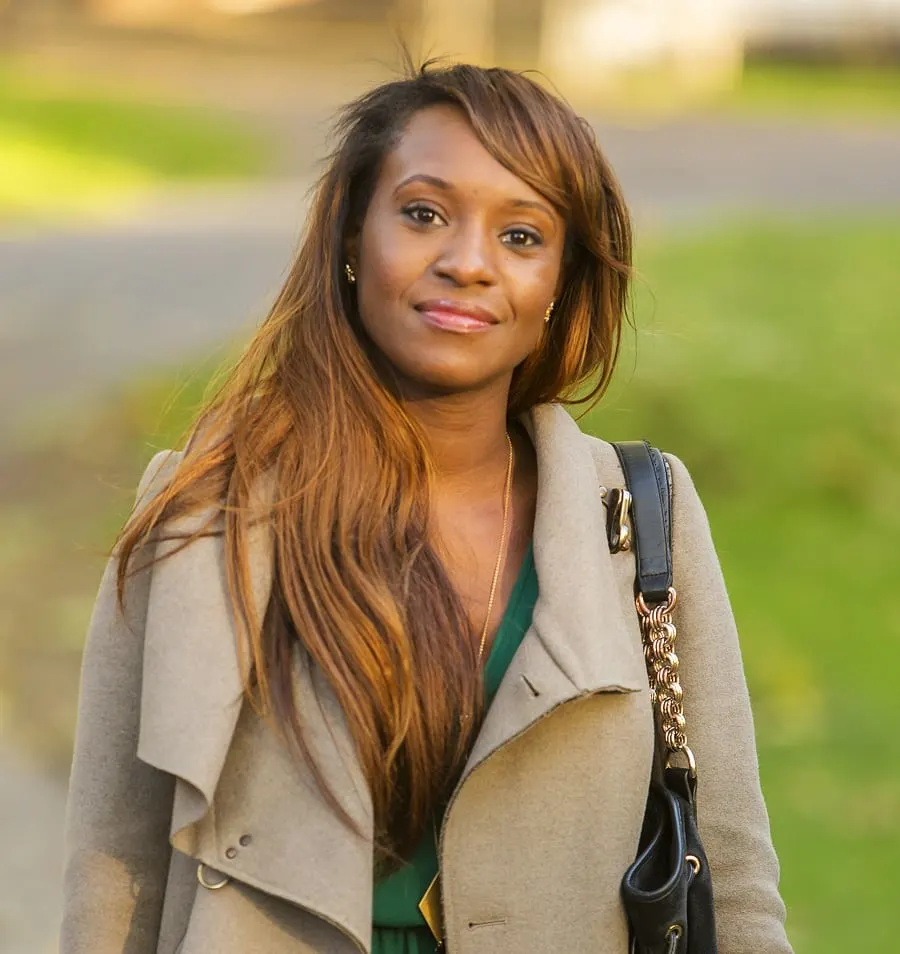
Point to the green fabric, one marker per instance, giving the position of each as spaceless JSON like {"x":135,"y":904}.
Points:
{"x":398,"y":926}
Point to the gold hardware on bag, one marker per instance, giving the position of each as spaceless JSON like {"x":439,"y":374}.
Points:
{"x":673,"y":936}
{"x":658,"y":630}
{"x":430,"y":906}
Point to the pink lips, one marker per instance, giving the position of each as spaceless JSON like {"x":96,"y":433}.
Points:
{"x":456,"y":316}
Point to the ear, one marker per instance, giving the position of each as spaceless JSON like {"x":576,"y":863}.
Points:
{"x":351,"y":250}
{"x":568,"y":256}
{"x":560,"y":280}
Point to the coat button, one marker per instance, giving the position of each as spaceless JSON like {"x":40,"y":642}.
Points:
{"x":231,"y":852}
{"x":245,"y":840}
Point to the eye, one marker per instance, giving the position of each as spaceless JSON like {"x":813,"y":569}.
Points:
{"x":522,"y":238}
{"x":422,"y":214}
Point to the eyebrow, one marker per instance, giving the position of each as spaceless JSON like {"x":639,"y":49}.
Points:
{"x":532,"y":204}
{"x":444,"y":185}
{"x":437,"y":182}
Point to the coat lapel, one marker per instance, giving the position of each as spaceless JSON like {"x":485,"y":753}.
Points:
{"x":192,"y":685}
{"x":191,"y":689}
{"x":584,"y":637}
{"x":245,"y":805}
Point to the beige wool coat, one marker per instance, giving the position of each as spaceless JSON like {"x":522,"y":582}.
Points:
{"x":171,"y":770}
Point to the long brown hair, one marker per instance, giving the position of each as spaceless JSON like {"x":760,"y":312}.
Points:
{"x":356,"y":581}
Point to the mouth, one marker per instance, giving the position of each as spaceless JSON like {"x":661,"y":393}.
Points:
{"x":456,"y":315}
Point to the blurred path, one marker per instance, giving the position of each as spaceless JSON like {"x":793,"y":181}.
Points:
{"x":81,"y":308}
{"x":701,"y":168}
{"x":84,"y":307}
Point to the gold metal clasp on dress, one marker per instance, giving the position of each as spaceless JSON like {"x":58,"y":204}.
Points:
{"x":618,"y":517}
{"x":430,"y":906}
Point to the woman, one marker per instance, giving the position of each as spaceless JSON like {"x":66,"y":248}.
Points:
{"x":368,"y":618}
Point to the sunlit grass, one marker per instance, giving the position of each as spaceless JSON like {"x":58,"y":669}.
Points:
{"x":67,"y":149}
{"x":818,"y":90}
{"x":36,"y":177}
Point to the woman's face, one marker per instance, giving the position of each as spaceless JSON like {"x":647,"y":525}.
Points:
{"x":456,"y":261}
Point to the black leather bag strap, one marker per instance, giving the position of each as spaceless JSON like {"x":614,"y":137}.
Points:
{"x":647,"y":478}
{"x":667,"y":892}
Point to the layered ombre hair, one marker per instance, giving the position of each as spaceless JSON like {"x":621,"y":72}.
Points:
{"x":310,"y":413}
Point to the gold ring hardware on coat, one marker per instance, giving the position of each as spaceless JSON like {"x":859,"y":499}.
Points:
{"x":618,"y":528}
{"x":694,"y":862}
{"x":210,"y":885}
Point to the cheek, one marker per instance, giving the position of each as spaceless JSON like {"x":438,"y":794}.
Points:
{"x":390,"y":262}
{"x":533,"y":290}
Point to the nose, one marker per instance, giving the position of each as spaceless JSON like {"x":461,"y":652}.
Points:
{"x":468,"y":256}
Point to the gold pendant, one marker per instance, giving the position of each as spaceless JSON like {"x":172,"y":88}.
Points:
{"x":430,"y":906}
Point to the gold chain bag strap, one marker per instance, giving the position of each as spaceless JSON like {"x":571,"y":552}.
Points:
{"x":658,"y":632}
{"x":667,"y":890}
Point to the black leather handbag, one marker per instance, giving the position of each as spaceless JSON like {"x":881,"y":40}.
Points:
{"x":667,"y":891}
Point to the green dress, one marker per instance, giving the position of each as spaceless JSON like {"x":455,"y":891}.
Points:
{"x":397,"y":924}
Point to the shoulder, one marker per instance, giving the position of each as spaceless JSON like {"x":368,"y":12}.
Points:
{"x":207,"y":435}
{"x":605,"y":459}
{"x":686,"y":501}
{"x":157,"y":474}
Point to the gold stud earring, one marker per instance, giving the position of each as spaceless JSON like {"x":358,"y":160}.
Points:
{"x":549,"y":311}
{"x":351,"y":275}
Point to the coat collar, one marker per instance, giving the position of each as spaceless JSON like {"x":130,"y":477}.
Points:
{"x":583,"y":640}
{"x":579,"y":617}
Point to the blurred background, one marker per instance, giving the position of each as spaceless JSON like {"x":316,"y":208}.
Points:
{"x":155,"y":157}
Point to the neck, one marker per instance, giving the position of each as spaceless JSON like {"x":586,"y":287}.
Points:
{"x":467,"y":437}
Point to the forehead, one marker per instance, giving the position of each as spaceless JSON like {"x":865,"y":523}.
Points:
{"x":439,"y":141}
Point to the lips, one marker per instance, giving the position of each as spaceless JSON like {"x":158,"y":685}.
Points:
{"x":456,"y":315}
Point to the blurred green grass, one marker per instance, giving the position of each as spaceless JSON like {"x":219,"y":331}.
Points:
{"x":810,"y":89}
{"x":75,"y":148}
{"x":766,"y":359}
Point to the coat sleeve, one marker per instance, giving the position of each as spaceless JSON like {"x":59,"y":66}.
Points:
{"x":732,"y":815}
{"x":119,"y":809}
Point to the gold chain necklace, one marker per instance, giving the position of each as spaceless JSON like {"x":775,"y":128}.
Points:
{"x":507,"y":494}
{"x":430,"y":903}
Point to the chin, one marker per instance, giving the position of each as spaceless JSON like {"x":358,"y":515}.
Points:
{"x":444,"y":377}
{"x":446,"y":384}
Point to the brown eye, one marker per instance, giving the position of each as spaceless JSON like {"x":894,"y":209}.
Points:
{"x":421,"y":214}
{"x":522,"y":238}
